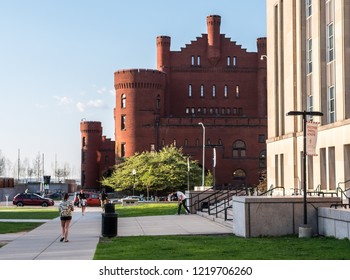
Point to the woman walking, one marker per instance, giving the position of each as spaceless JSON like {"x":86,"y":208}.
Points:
{"x":82,"y":201}
{"x":66,"y":208}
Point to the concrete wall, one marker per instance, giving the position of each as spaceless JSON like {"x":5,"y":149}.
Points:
{"x":255,"y":216}
{"x":334,"y":222}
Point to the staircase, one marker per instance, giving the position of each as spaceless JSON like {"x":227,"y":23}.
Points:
{"x":218,"y":215}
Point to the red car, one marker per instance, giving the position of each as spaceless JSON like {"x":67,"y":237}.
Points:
{"x":92,"y":199}
{"x":22,"y":199}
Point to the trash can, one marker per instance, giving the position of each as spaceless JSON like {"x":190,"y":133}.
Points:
{"x":109,"y":208}
{"x":109,"y":221}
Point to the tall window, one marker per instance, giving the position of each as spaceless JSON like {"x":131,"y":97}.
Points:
{"x":239,"y":149}
{"x":122,"y":122}
{"x":309,"y":55}
{"x":123,"y":101}
{"x":228,"y":61}
{"x":83,"y":142}
{"x":122,"y":150}
{"x":192,"y":60}
{"x":234,"y":61}
{"x":331,"y":104}
{"x":310,"y":103}
{"x":237,"y":91}
{"x":214,"y":90}
{"x":202,"y":91}
{"x":330,"y":42}
{"x":198,"y":60}
{"x":189,"y":90}
{"x":225,"y":91}
{"x":158,"y":102}
{"x":308,"y":8}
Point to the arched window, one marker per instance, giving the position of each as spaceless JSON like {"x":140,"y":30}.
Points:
{"x":158,"y":102}
{"x":186,"y":143}
{"x":225,"y":91}
{"x":123,"y":101}
{"x":189,"y":90}
{"x":202,"y":90}
{"x":198,"y":60}
{"x":84,"y":142}
{"x":239,"y":149}
{"x":262,"y":159}
{"x":234,"y":61}
{"x":239,"y":174}
{"x":214,"y":90}
{"x":192,"y":60}
{"x":237,"y":92}
{"x":228,"y":61}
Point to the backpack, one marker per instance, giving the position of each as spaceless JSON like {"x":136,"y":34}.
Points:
{"x":66,"y":209}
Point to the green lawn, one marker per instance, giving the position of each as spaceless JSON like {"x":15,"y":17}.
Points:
{"x":147,"y":209}
{"x":221,"y":247}
{"x":214,"y":247}
{"x":12,"y":227}
{"x":24,"y":213}
{"x":28,"y":213}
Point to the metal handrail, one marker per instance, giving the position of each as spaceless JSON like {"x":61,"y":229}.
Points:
{"x":271,"y":189}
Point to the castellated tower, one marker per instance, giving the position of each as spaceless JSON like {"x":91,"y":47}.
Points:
{"x":163,"y":53}
{"x":214,"y":46}
{"x":139,"y":105}
{"x":97,"y":154}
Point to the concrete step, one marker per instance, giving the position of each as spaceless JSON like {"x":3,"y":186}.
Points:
{"x":219,"y":219}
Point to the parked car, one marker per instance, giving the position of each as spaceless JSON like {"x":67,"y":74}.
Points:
{"x":92,"y":199}
{"x":55,"y":196}
{"x":22,"y":199}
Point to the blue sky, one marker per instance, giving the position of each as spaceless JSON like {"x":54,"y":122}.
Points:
{"x":57,"y":60}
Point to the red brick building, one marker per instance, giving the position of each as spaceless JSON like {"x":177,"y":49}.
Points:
{"x":212,"y":81}
{"x":97,"y":154}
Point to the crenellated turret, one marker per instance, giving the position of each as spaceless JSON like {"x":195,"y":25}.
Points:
{"x":91,"y":133}
{"x":139,"y":103}
{"x":163,"y":53}
{"x":214,"y":46}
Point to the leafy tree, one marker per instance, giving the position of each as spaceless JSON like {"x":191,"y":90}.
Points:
{"x":2,"y":164}
{"x":154,"y":171}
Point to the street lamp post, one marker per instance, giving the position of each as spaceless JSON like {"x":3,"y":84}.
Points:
{"x":304,"y":114}
{"x":203,"y":155}
{"x":134,"y":174}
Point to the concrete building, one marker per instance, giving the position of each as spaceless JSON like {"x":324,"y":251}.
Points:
{"x":308,"y":62}
{"x":212,"y":81}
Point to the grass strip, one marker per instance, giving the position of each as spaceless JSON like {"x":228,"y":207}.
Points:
{"x":28,"y":213}
{"x":13,"y":227}
{"x":222,"y":247}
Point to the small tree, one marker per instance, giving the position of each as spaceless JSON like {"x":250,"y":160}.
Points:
{"x":154,"y":171}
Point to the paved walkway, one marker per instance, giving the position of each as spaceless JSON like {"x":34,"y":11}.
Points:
{"x":43,"y":242}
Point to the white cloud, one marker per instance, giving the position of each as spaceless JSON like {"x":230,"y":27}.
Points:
{"x":101,"y":90}
{"x":91,"y":104}
{"x":63,"y":100}
{"x":80,"y":107}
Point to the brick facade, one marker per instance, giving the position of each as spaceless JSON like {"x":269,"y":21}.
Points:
{"x":212,"y":80}
{"x":97,"y":154}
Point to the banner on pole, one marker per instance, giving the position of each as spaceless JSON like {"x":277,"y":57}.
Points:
{"x":311,"y":138}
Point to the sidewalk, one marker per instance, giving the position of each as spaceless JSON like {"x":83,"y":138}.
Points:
{"x":43,"y":242}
